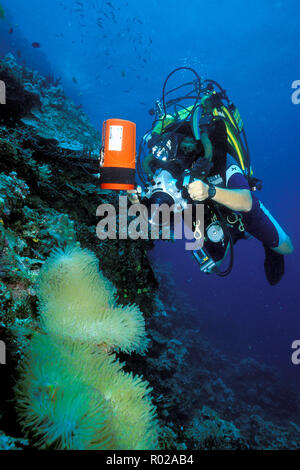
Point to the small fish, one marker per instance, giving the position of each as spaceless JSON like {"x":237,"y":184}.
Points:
{"x":74,"y":79}
{"x":123,"y":73}
{"x":11,"y":31}
{"x":36,"y":45}
{"x":19,"y":53}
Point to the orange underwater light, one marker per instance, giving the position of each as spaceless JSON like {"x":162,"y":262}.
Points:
{"x":118,"y":155}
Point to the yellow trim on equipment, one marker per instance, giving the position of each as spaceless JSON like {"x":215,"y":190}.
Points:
{"x":236,"y":147}
{"x":233,"y":142}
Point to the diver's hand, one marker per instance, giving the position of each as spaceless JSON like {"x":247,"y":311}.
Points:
{"x":132,"y":195}
{"x":198,"y":190}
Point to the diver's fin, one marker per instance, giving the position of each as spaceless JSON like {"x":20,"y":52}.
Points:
{"x":274,"y":266}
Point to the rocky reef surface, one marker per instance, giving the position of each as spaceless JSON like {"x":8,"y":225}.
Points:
{"x":206,"y":399}
{"x":49,"y":193}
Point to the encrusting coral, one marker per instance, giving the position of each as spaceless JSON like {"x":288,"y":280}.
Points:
{"x":73,"y":392}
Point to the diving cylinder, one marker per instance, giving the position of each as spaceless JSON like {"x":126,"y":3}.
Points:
{"x":117,"y":159}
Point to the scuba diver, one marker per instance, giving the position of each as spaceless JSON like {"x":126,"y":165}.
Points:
{"x":201,"y":150}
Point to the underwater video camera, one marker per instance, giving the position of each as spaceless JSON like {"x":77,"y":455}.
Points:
{"x":164,"y":190}
{"x":167,"y":189}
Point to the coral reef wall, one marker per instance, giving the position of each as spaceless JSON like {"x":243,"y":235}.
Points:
{"x":51,"y":148}
{"x":49,"y":193}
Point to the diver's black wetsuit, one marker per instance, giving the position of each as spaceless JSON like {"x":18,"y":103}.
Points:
{"x":258,"y":222}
